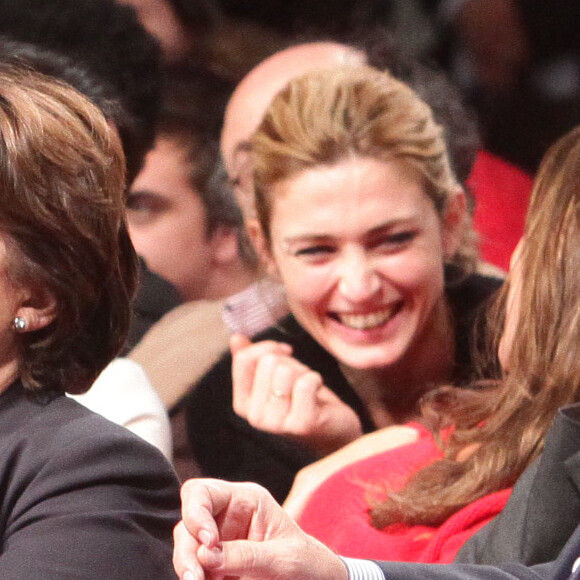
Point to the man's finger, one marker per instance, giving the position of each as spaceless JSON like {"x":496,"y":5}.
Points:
{"x":185,"y":549}
{"x":202,"y":500}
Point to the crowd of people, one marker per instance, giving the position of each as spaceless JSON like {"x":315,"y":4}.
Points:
{"x":263,"y":254}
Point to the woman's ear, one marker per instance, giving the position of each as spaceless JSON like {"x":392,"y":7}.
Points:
{"x":224,"y":245}
{"x":37,"y":308}
{"x":454,"y":223}
{"x":262,"y":247}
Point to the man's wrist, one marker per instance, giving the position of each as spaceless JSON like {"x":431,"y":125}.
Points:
{"x":362,"y":569}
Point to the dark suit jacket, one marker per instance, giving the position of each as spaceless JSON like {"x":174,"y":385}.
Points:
{"x":545,"y":507}
{"x":559,"y":569}
{"x":539,"y":528}
{"x":80,"y":497}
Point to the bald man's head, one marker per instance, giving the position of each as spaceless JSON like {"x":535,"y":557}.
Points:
{"x":255,"y":92}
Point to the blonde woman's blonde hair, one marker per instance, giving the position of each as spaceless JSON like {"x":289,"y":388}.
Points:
{"x":330,"y":115}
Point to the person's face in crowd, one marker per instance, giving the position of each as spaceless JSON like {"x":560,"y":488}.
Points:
{"x":512,"y":312}
{"x":167,"y":220}
{"x":360,"y":247}
{"x":159,"y":18}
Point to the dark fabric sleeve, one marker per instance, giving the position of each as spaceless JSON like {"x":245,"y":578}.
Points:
{"x":558,"y":569}
{"x":226,"y":446}
{"x":83,"y":504}
{"x":544,"y":508}
{"x":405,"y":571}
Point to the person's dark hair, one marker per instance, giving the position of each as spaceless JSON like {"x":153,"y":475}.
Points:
{"x":62,"y":217}
{"x":449,"y":108}
{"x":59,"y":66}
{"x":198,"y":15}
{"x":192,"y":111}
{"x":332,"y":18}
{"x":104,"y":38}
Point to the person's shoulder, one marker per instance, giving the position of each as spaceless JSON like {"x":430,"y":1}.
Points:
{"x":182,"y":347}
{"x":90,"y":494}
{"x":124,"y":394}
{"x":57,"y":430}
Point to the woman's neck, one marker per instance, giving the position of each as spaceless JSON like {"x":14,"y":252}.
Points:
{"x":391,"y":394}
{"x":8,"y":374}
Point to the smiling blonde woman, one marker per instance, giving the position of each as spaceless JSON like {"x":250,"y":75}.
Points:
{"x":362,"y":220}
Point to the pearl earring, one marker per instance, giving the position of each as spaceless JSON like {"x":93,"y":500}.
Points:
{"x":19,"y":323}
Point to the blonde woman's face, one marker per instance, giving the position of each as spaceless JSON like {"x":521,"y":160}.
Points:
{"x":360,"y":249}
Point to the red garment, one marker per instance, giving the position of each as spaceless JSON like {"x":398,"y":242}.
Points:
{"x":337,"y":513}
{"x":501,"y":192}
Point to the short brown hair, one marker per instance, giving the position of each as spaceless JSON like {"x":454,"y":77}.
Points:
{"x":62,"y":179}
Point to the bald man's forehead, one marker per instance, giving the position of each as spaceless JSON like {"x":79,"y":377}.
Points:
{"x":256,"y":91}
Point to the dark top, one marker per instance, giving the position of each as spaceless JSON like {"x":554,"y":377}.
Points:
{"x":81,"y":498}
{"x":539,"y":527}
{"x":226,"y":446}
{"x":155,"y":298}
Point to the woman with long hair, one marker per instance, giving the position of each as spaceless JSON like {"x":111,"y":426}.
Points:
{"x":496,"y":432}
{"x":492,"y":434}
{"x":489,"y":433}
{"x":362,"y":220}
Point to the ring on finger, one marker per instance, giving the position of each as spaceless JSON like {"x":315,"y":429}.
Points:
{"x":280,"y":393}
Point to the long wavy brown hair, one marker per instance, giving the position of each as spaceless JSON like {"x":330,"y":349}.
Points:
{"x":500,"y":426}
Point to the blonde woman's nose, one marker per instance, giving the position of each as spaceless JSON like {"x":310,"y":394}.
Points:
{"x":359,"y":280}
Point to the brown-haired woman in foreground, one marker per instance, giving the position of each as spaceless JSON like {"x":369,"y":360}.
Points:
{"x":498,"y":432}
{"x":82,"y":498}
{"x":363,"y":221}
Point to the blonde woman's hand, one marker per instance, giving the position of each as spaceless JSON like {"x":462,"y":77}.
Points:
{"x":276,"y":393}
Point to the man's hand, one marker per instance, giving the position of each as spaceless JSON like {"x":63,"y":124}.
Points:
{"x":237,"y":530}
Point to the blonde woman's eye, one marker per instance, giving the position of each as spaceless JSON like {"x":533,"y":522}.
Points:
{"x":314,"y":251}
{"x":397,"y":240}
{"x":401,"y":238}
